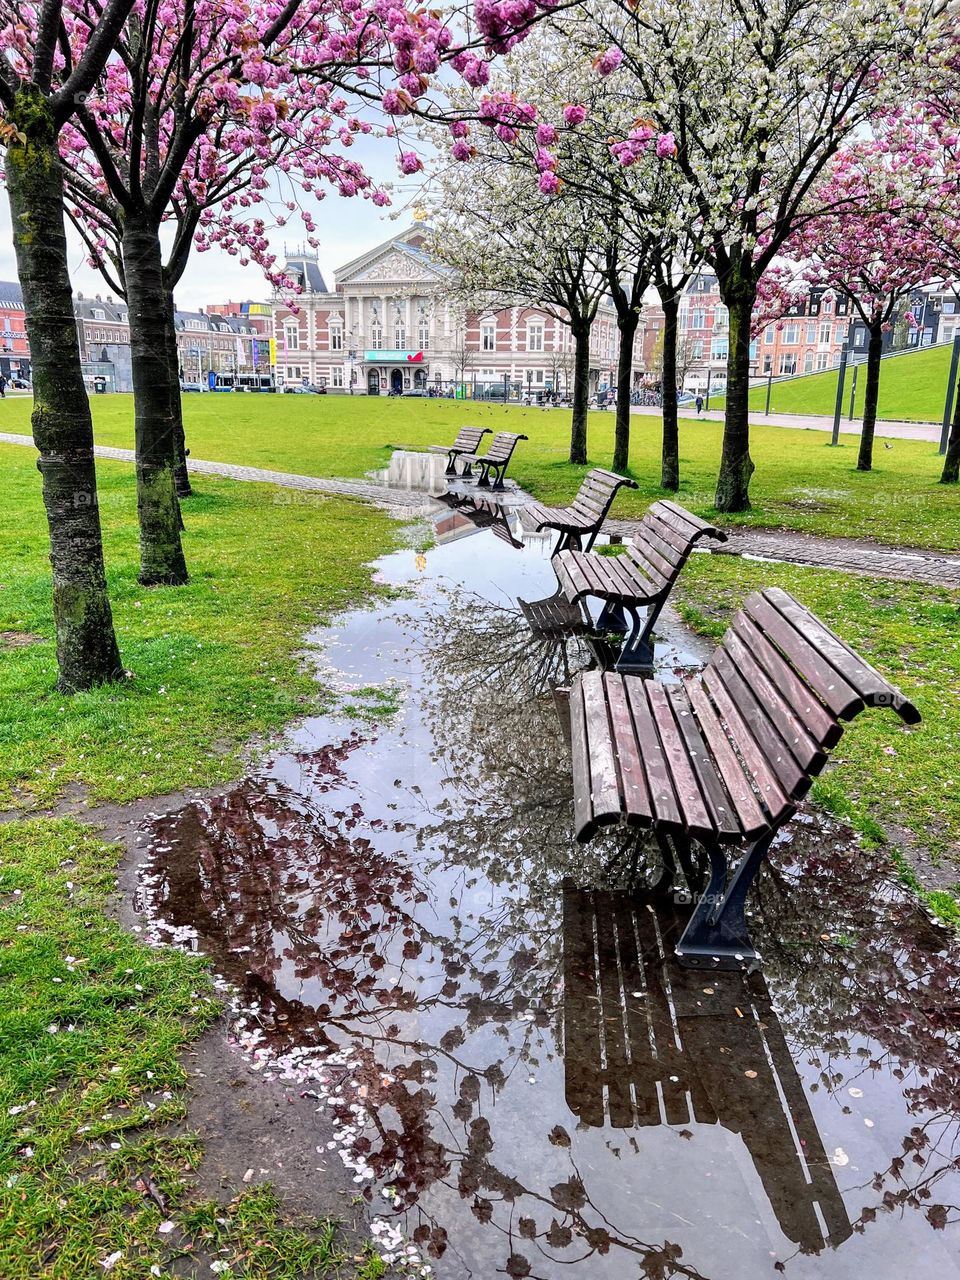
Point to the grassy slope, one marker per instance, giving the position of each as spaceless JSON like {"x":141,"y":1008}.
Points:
{"x":88,"y":1047}
{"x":800,"y":482}
{"x":912,"y":389}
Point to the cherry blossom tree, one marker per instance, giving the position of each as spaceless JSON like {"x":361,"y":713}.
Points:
{"x":755,"y":98}
{"x":508,"y":243}
{"x":51,"y":54}
{"x":866,"y":244}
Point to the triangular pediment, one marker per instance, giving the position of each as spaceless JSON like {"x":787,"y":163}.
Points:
{"x":393,"y":264}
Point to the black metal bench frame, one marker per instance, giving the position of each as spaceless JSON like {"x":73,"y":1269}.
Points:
{"x":585,"y":515}
{"x":465,"y":445}
{"x":723,"y":759}
{"x":634,"y":591}
{"x":497,"y":459}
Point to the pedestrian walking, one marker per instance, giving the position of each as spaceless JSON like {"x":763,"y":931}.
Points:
{"x":3,"y":387}
{"x":699,"y":403}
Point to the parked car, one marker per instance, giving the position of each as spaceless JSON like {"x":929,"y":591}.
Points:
{"x":318,"y":390}
{"x":192,"y":386}
{"x":302,"y":391}
{"x":20,"y":384}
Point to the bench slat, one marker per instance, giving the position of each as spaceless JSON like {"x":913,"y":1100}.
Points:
{"x":858,"y":673}
{"x":811,"y":711}
{"x":638,"y":806}
{"x":697,"y":820}
{"x":753,"y":821}
{"x":774,"y":798}
{"x":805,"y":748}
{"x":812,"y":667}
{"x":604,"y":787}
{"x":780,"y":759}
{"x":580,"y":753}
{"x":723,"y":810}
{"x":665,"y":806}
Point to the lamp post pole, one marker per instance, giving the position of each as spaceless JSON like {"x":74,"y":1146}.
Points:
{"x":838,"y":408}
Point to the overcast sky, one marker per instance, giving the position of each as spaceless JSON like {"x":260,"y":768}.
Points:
{"x":345,"y":229}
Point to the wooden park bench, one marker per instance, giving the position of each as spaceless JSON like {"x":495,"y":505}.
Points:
{"x":496,"y":459}
{"x":467,"y":442}
{"x":725,"y":758}
{"x":646,"y":1044}
{"x":634,"y":586}
{"x":583,"y":518}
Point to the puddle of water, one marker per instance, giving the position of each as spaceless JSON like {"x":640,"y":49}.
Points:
{"x":524,"y":1081}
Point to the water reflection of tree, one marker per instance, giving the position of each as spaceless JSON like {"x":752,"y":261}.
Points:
{"x":310,"y":902}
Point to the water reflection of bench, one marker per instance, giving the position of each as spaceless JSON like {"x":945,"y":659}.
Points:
{"x":483,"y":514}
{"x":646,"y":1044}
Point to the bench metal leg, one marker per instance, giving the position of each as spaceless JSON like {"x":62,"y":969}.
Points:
{"x":451,"y":463}
{"x":498,"y":484}
{"x":613,"y":618}
{"x":716,"y":936}
{"x":483,"y":481}
{"x":637,"y":652}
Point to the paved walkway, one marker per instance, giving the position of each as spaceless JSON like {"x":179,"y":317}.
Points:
{"x":850,"y":555}
{"x":846,"y":554}
{"x":929,"y":431}
{"x":285,"y":479}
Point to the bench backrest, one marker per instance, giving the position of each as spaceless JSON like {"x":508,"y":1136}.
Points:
{"x":597,"y":492}
{"x":504,"y":443}
{"x":468,"y":438}
{"x":780,"y":682}
{"x":666,"y":536}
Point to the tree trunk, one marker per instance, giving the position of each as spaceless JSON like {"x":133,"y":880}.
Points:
{"x":161,"y":554}
{"x":581,"y":390}
{"x":951,"y":463}
{"x":628,"y":322}
{"x":870,"y":395}
{"x":87,"y":652}
{"x":736,"y":465}
{"x":670,"y":452}
{"x":181,"y":477}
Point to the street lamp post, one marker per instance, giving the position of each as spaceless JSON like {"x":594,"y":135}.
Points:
{"x":838,"y":408}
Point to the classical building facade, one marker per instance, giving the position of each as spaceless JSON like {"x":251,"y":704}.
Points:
{"x":390,"y":324}
{"x":14,"y":347}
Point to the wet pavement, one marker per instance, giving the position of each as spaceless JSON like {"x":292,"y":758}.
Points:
{"x":522,"y":1080}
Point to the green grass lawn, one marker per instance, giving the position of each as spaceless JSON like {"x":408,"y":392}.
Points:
{"x":800,"y":482}
{"x":913,"y":388}
{"x":91,"y":1020}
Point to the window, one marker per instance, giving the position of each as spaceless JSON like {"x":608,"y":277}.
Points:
{"x":336,"y":378}
{"x":423,"y":335}
{"x":98,"y":314}
{"x":841,"y":333}
{"x":400,"y":336}
{"x":488,"y":337}
{"x":535,"y":336}
{"x":825,"y":332}
{"x":808,"y":362}
{"x":767,"y":362}
{"x":699,"y":319}
{"x":293,"y":372}
{"x":195,"y":325}
{"x":946,"y":334}
{"x":811,"y":334}
{"x":836,"y":359}
{"x":768,"y":335}
{"x":719,"y":348}
{"x":538,"y":375}
{"x":827,"y":306}
{"x":788,"y":364}
{"x":292,"y":335}
{"x":822,"y":358}
{"x":336,"y":338}
{"x":720,"y":316}
{"x":791,"y":334}
{"x":376,"y":338}
{"x":696,"y":349}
